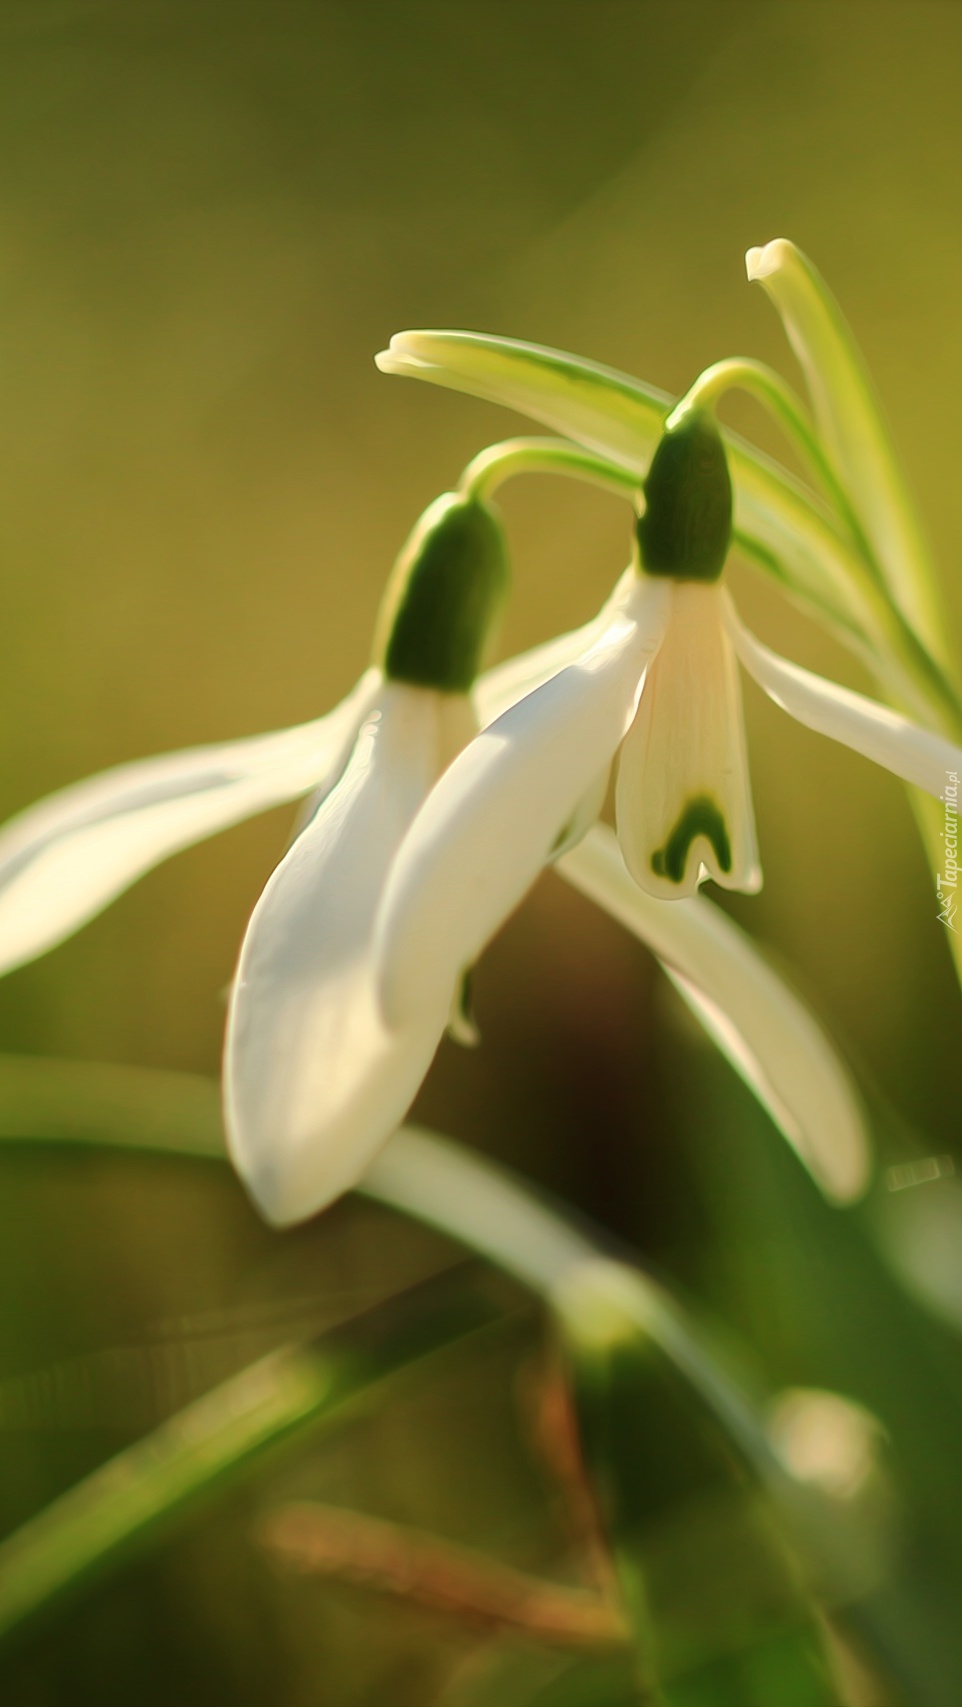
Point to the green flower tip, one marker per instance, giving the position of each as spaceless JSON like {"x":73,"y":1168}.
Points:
{"x":686,"y":528}
{"x":444,"y":596}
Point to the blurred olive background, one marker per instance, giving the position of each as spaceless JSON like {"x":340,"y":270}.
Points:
{"x":211,"y":217}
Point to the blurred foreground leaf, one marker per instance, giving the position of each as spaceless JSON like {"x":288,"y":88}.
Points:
{"x":720,"y":1549}
{"x":130,"y":1108}
{"x":227,"y":1434}
{"x":714,"y":1593}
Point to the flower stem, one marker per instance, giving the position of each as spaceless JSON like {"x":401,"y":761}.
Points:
{"x":500,"y":462}
{"x":907,"y":668}
{"x":758,"y":380}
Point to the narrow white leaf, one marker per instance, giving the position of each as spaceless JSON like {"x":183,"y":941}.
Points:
{"x":761,"y":1025}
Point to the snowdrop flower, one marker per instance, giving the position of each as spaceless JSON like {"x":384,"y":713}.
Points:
{"x":314,"y":1081}
{"x":654,"y":681}
{"x":847,"y":545}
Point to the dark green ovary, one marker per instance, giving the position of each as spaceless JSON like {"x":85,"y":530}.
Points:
{"x":700,"y":817}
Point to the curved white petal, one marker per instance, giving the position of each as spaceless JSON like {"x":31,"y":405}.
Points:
{"x":501,"y":687}
{"x":852,"y":424}
{"x":494,"y":818}
{"x":313,"y":1081}
{"x":64,"y":859}
{"x":873,"y":730}
{"x":761,"y":1025}
{"x":683,"y":801}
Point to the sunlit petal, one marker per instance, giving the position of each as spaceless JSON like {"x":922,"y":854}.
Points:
{"x":314,"y":1083}
{"x":850,"y":420}
{"x":66,"y":858}
{"x":763,"y":1027}
{"x":506,"y":683}
{"x":868,"y":728}
{"x":683,"y":798}
{"x":493,"y":820}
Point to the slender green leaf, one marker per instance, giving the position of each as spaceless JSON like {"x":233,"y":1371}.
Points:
{"x":853,"y":427}
{"x":622,"y":418}
{"x":226,"y":1435}
{"x":710,"y":1586}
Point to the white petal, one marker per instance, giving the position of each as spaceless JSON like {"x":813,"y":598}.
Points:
{"x":64,"y":859}
{"x":314,"y":1083}
{"x":683,"y":802}
{"x":506,"y":683}
{"x":852,"y":424}
{"x":769,"y":1035}
{"x":587,"y":812}
{"x":494,"y":818}
{"x":873,"y":730}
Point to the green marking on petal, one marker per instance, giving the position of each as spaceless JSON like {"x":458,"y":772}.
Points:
{"x":686,"y":529}
{"x":462,"y":1026}
{"x":444,"y":596}
{"x":701,"y":817}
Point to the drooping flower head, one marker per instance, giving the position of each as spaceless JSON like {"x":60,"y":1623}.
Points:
{"x":313,"y":1079}
{"x":653,"y":682}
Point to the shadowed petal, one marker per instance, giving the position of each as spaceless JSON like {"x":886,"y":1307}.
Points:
{"x":683,"y":800}
{"x":763,"y":1027}
{"x":314,"y":1083}
{"x":495,"y":817}
{"x":63,"y":860}
{"x":868,"y":728}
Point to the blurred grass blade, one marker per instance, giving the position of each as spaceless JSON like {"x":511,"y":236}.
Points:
{"x":462,"y":1195}
{"x":520,"y":1677}
{"x":225,"y":1435}
{"x":316,"y":1540}
{"x":132,"y":1108}
{"x":675,"y":1500}
{"x":482,"y":1207}
{"x":851,"y":422}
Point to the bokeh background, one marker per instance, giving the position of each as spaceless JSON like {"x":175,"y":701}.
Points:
{"x":211,"y":217}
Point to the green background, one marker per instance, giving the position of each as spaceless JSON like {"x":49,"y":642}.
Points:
{"x":211,"y":216}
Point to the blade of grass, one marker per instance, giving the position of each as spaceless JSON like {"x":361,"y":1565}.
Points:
{"x":228,"y":1434}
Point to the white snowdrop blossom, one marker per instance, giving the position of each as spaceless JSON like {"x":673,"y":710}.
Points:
{"x":654,"y":681}
{"x":316,"y":1079}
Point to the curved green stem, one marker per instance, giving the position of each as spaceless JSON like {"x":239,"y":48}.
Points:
{"x":500,"y":462}
{"x":758,"y":380}
{"x":782,"y":520}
